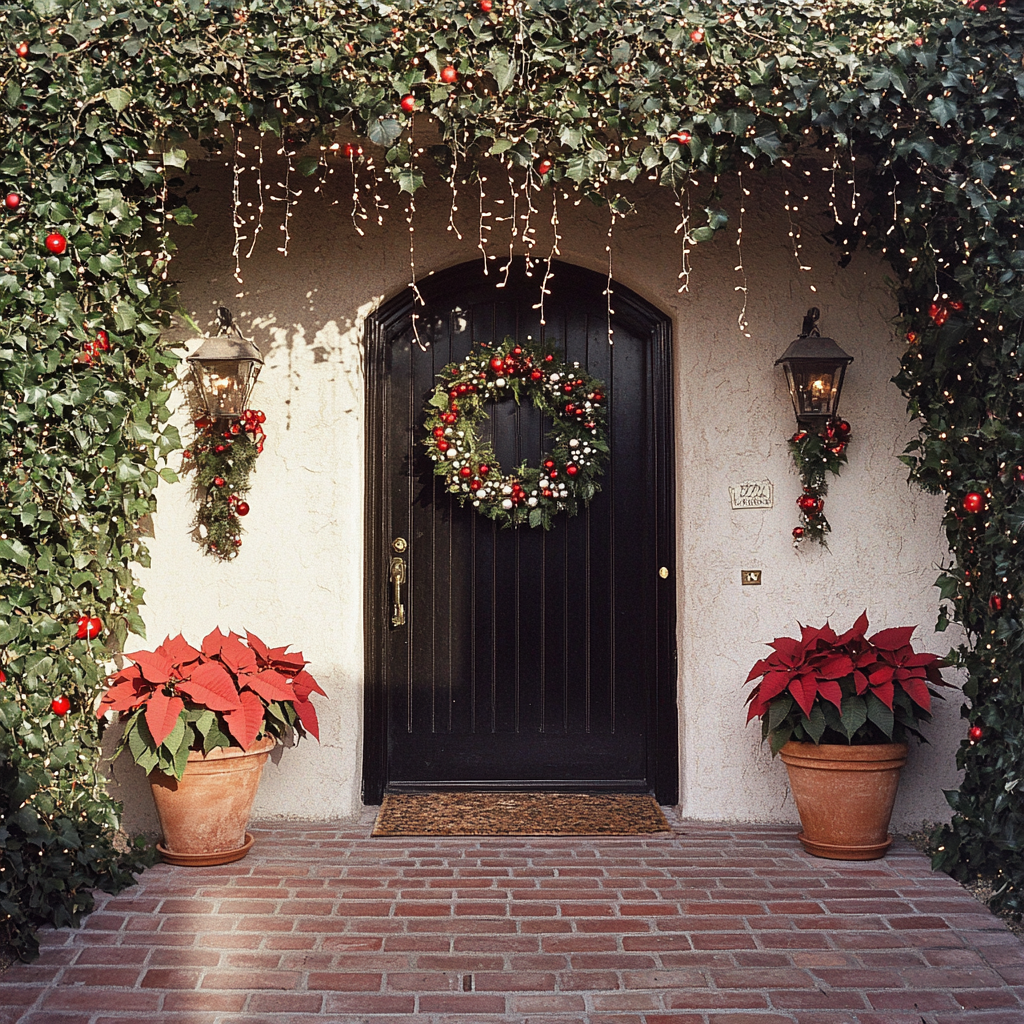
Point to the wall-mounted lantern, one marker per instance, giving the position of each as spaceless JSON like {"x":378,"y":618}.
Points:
{"x":815,"y":367}
{"x":224,"y":370}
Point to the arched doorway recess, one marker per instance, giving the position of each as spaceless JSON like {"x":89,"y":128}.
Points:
{"x":527,"y":659}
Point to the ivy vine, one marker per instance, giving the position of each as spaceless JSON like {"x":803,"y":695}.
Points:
{"x":101,"y":96}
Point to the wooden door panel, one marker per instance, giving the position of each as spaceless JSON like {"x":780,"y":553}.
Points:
{"x":528,"y":658}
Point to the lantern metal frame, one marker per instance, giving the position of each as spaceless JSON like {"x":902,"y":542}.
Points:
{"x":815,"y":369}
{"x":225,"y":370}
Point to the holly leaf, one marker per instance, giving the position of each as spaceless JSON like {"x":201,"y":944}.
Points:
{"x":383,"y":131}
{"x":118,"y":98}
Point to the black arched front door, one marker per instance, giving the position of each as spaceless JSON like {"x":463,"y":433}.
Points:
{"x":526,"y":659}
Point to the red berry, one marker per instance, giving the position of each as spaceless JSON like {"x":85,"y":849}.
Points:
{"x":449,"y":75}
{"x":409,"y":103}
{"x":535,"y":375}
{"x":697,"y":35}
{"x":465,"y":472}
{"x":12,"y":201}
{"x":497,"y":364}
{"x":571,"y":469}
{"x":60,"y":706}
{"x":56,"y":243}
{"x":218,"y":481}
{"x":22,"y":49}
{"x":242,"y":508}
{"x":543,"y":167}
{"x":973,"y":502}
{"x":975,"y":733}
{"x":443,"y":446}
{"x":798,"y":532}
{"x":682,"y":137}
{"x":486,"y":6}
{"x":484,"y":469}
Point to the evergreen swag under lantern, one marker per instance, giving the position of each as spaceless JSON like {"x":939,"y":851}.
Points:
{"x":228,"y":438}
{"x":565,"y":480}
{"x":576,"y":99}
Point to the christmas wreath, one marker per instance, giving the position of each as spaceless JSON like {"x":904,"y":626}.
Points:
{"x":566,"y":476}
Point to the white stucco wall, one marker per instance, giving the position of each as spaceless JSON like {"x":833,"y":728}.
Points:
{"x":298,"y":577}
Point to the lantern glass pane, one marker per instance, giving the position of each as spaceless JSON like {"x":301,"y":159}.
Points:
{"x":225,"y":385}
{"x":815,"y":388}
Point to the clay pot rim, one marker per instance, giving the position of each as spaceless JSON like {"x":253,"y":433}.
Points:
{"x":262,"y":746}
{"x":852,"y":751}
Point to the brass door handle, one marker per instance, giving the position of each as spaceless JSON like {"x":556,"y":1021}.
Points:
{"x":397,"y":573}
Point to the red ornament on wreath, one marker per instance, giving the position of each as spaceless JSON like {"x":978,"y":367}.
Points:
{"x":12,"y":201}
{"x":527,"y":495}
{"x":22,"y":49}
{"x":449,"y":75}
{"x":56,"y":243}
{"x":975,"y":733}
{"x":242,"y":508}
{"x":408,"y":103}
{"x":60,"y":706}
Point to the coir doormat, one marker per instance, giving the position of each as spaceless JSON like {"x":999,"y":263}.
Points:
{"x":519,"y":814}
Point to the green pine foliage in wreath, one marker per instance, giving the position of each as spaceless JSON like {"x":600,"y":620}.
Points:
{"x":100,"y":98}
{"x":566,"y":477}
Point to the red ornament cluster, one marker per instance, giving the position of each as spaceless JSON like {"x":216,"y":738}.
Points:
{"x":88,"y":628}
{"x":814,"y":455}
{"x":215,"y":457}
{"x":92,"y":350}
{"x":939,"y":310}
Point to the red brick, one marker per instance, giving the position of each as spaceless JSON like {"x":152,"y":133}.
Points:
{"x":779,"y":977}
{"x":625,"y":1001}
{"x":339,"y":981}
{"x":515,"y":981}
{"x":251,"y":979}
{"x":363,"y":1003}
{"x":230,"y":1002}
{"x":468,"y":1003}
{"x":584,"y":943}
{"x":423,"y":981}
{"x":285,"y":1002}
{"x":986,"y":999}
{"x":913,"y":1000}
{"x":171,"y":977}
{"x":703,"y":999}
{"x":723,"y":940}
{"x":101,"y":999}
{"x":548,"y":1004}
{"x":663,"y":979}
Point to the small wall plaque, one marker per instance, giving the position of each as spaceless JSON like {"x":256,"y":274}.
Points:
{"x":752,"y":494}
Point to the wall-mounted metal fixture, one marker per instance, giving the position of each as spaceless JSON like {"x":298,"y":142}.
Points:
{"x":815,"y":368}
{"x":225,"y":369}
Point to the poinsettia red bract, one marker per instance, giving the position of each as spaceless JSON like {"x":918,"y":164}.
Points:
{"x":847,"y":688}
{"x":232,"y":691}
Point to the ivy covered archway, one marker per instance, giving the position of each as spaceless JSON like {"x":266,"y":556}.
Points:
{"x":100,"y":98}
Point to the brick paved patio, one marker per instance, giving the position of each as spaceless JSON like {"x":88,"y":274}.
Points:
{"x":715,"y":925}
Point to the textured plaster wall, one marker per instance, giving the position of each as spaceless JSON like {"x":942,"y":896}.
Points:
{"x":298,"y":577}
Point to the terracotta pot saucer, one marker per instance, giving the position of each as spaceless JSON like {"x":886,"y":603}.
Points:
{"x":204,"y":860}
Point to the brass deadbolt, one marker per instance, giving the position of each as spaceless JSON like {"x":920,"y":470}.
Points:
{"x":399,"y":544}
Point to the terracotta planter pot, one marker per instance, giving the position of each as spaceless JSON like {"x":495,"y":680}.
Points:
{"x":203,"y":817}
{"x":844,"y":796}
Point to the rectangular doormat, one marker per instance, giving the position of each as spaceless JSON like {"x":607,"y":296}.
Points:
{"x":519,"y":814}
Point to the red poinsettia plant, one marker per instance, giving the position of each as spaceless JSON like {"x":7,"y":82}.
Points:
{"x":230,"y":692}
{"x":854,"y":689}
